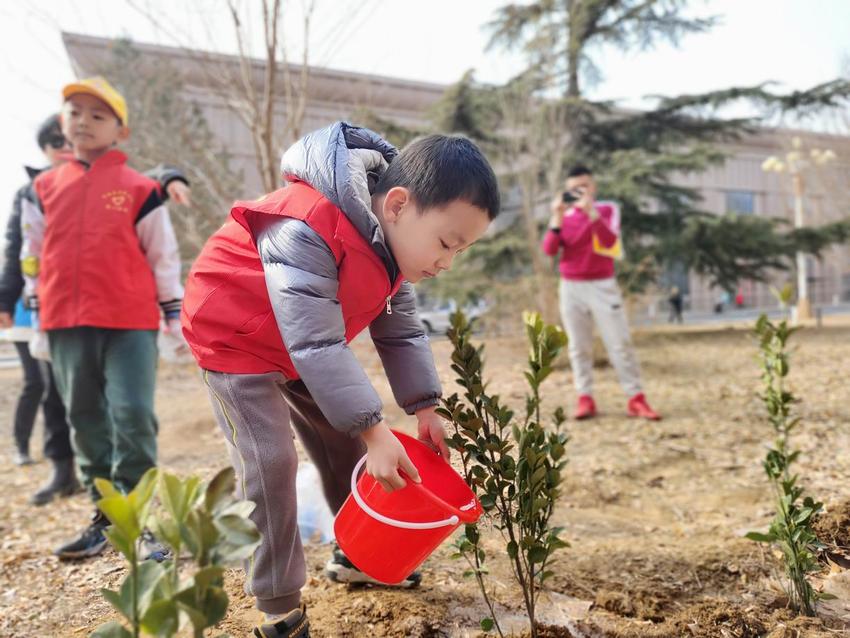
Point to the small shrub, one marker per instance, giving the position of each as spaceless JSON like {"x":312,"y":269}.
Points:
{"x":512,"y":463}
{"x":213,"y":528}
{"x":791,"y":530}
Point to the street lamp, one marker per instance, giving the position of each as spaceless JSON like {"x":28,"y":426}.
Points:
{"x":795,"y":163}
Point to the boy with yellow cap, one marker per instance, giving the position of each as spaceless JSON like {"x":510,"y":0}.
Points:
{"x":101,"y":264}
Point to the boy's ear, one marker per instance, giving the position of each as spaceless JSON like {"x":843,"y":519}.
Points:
{"x":123,"y":133}
{"x":394,"y":202}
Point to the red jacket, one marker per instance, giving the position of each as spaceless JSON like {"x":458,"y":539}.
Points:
{"x":575,"y":239}
{"x":227,"y":316}
{"x":92,"y":269}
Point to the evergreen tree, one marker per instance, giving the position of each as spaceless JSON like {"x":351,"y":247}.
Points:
{"x":540,"y":123}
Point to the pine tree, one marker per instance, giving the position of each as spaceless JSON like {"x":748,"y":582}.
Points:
{"x":540,"y":123}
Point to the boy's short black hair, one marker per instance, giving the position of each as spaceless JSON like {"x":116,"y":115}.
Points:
{"x":438,"y":169}
{"x":579,"y":170}
{"x":50,"y":129}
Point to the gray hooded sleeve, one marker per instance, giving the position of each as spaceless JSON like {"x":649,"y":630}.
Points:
{"x":342,"y":162}
{"x":301,"y":278}
{"x":406,"y":353}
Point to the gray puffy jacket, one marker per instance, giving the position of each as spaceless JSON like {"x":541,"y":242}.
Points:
{"x":341,"y":162}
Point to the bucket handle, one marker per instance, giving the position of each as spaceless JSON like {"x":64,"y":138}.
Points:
{"x":446,"y":522}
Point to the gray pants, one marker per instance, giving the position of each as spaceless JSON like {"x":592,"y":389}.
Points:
{"x":599,"y":301}
{"x":257,"y":413}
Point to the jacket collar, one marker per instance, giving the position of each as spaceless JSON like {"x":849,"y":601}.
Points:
{"x":343,"y":163}
{"x":33,"y":172}
{"x":111,"y":157}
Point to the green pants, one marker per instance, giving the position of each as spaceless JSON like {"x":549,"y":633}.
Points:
{"x":106,"y":378}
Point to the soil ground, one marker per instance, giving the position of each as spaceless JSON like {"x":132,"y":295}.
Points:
{"x":655,"y":512}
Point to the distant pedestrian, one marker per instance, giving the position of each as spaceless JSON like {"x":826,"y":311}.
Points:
{"x":675,"y":301}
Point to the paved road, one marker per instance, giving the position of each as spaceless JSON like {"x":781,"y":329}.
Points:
{"x":734,"y":316}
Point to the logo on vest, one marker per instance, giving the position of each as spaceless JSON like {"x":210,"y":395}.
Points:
{"x":119,"y":200}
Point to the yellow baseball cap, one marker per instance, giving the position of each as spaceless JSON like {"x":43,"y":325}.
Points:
{"x":101,"y":89}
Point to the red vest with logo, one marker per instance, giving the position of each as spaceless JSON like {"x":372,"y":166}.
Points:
{"x":92,"y":269}
{"x":227,"y":315}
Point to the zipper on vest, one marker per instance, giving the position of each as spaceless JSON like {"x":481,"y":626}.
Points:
{"x":389,"y":306}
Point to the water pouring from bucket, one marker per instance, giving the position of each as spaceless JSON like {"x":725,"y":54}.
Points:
{"x":387,"y":535}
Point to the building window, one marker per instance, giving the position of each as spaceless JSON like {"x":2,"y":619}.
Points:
{"x":741,"y":202}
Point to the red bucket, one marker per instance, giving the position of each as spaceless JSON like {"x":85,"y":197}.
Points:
{"x":388,"y":535}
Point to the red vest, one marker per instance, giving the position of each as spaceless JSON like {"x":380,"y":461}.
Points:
{"x":227,"y":316}
{"x":93,"y":271}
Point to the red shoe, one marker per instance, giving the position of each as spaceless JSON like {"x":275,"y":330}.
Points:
{"x":585,"y":408}
{"x":638,"y":407}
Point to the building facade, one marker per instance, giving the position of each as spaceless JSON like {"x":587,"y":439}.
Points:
{"x":739,"y":186}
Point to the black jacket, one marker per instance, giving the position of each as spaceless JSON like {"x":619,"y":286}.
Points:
{"x":11,"y":279}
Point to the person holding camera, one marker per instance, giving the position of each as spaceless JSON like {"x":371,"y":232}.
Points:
{"x":586,"y":233}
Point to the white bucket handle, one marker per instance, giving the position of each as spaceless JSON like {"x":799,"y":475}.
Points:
{"x":451,"y":521}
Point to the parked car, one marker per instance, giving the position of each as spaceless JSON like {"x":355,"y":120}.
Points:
{"x":436,"y":318}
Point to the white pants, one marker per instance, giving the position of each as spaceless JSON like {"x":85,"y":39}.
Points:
{"x":599,"y":300}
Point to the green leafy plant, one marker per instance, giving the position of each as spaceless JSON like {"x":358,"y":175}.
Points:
{"x":512,"y":463}
{"x":205,"y":527}
{"x":791,"y":529}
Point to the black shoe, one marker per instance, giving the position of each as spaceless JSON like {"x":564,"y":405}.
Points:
{"x":152,"y":549}
{"x":90,"y":543}
{"x":63,"y":482}
{"x":341,"y":570}
{"x":295,"y":625}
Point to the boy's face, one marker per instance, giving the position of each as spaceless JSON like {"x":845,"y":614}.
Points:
{"x":90,"y":125}
{"x":425,"y":242}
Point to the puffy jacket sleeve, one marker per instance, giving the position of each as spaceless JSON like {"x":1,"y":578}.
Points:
{"x":159,"y":244}
{"x":405,"y":352}
{"x":11,"y":279}
{"x":32,"y":237}
{"x":165,"y":174}
{"x":302,"y":282}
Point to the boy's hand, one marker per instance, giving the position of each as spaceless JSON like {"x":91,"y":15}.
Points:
{"x":174,"y":330}
{"x":173,"y":327}
{"x":5,"y":320}
{"x":432,"y":430}
{"x":180,"y":193}
{"x":385,"y":456}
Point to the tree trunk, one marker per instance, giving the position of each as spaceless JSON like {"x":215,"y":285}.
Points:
{"x":538,"y":263}
{"x":573,"y":47}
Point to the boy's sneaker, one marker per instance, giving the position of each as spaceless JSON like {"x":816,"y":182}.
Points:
{"x":293,"y":625}
{"x":341,"y":570}
{"x":90,"y":543}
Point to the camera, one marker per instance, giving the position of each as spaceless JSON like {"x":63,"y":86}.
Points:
{"x":571,"y":197}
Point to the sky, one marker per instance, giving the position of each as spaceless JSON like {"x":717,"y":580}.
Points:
{"x":795,"y":43}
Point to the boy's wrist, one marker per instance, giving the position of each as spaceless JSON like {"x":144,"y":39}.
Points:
{"x":428,"y":409}
{"x":375,"y":433}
